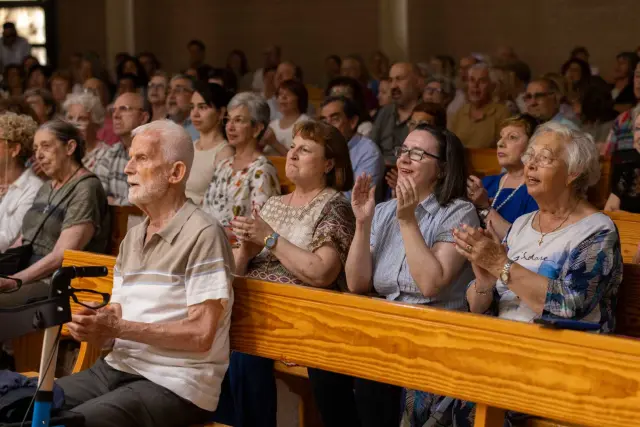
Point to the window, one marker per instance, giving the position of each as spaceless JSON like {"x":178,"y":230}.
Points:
{"x":30,"y":18}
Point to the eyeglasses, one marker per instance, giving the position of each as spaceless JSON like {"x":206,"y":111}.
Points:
{"x":158,"y":86}
{"x":179,"y":90}
{"x":415,"y":154}
{"x":537,"y":96}
{"x":432,"y":90}
{"x":543,"y":159}
{"x":333,"y":120}
{"x":123,"y":109}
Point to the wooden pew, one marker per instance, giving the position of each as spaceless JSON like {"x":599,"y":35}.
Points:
{"x":482,"y":162}
{"x":570,"y":376}
{"x":629,"y":228}
{"x":27,"y":348}
{"x":122,"y":219}
{"x":599,"y":193}
{"x":286,"y":186}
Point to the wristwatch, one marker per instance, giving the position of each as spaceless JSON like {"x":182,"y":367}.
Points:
{"x":505,"y":275}
{"x":271,"y":240}
{"x":483,"y":214}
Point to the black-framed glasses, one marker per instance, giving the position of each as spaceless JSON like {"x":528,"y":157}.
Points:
{"x":537,"y":96}
{"x":415,"y":154}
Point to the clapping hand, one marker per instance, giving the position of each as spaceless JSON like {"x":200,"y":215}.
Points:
{"x":251,"y":229}
{"x":363,"y":200}
{"x":407,"y":195}
{"x":477,"y":193}
{"x":481,"y":247}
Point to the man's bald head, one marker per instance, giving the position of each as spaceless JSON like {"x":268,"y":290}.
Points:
{"x":128,"y":113}
{"x":161,"y":159}
{"x":405,"y":83}
{"x":173,"y":139}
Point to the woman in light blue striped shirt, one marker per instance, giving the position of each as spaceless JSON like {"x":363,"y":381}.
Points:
{"x":403,"y":249}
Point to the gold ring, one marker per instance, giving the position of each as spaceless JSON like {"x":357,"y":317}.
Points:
{"x":469,"y":248}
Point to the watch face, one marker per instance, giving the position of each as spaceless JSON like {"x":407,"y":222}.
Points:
{"x":270,"y":242}
{"x":504,"y":277}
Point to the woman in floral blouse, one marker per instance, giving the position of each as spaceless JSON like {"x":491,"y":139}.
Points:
{"x":301,"y":238}
{"x":246,"y":180}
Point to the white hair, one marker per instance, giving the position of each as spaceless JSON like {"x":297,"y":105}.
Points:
{"x":256,"y":104}
{"x":89,"y":102}
{"x":493,"y":75}
{"x":181,"y":76}
{"x":174,"y":139}
{"x":581,"y":154}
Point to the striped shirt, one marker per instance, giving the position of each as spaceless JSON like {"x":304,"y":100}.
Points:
{"x":110,"y":170}
{"x":186,"y":263}
{"x":391,"y":276}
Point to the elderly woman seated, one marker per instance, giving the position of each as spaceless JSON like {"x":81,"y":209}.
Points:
{"x":500,"y":199}
{"x":69,"y":212}
{"x":300,"y":238}
{"x":561,"y":261}
{"x":403,"y":249}
{"x":18,"y":184}
{"x":247,"y":179}
{"x":86,"y":112}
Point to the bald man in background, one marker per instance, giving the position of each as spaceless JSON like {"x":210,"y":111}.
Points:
{"x":390,"y":128}
{"x":129,"y":112}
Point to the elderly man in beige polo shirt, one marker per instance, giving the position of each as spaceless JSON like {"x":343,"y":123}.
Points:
{"x":478,"y":122}
{"x":168,"y":322}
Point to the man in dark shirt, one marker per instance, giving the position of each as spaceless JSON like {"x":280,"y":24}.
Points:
{"x":390,"y":128}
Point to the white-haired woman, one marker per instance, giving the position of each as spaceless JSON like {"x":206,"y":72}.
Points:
{"x":86,"y":112}
{"x":562,"y":261}
{"x":246,"y":180}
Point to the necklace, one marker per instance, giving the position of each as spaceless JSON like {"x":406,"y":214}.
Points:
{"x":555,"y":229}
{"x":53,"y":193}
{"x":495,"y":199}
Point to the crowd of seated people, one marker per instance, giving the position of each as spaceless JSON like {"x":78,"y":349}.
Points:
{"x":383,"y":204}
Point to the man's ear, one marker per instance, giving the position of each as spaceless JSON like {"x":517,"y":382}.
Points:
{"x":178,"y":172}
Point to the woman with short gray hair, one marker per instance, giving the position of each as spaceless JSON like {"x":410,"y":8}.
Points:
{"x":246,"y":180}
{"x":85,"y":111}
{"x":562,"y":261}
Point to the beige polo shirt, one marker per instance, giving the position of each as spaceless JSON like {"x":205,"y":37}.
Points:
{"x":186,"y":263}
{"x":482,"y":133}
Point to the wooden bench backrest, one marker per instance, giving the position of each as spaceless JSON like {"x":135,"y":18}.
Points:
{"x":100,"y":284}
{"x":482,"y":162}
{"x":599,"y":193}
{"x":120,"y":218}
{"x":577,"y":377}
{"x":286,"y":186}
{"x":629,"y":228}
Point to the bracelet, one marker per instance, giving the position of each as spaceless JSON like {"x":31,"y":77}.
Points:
{"x":475,"y":288}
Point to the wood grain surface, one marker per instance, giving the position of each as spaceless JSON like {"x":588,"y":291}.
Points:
{"x":570,"y":376}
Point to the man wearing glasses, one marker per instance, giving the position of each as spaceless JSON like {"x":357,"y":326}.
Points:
{"x":128,"y":114}
{"x":179,"y":103}
{"x":542,"y":99}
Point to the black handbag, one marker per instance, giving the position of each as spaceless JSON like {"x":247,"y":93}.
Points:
{"x":17,"y":259}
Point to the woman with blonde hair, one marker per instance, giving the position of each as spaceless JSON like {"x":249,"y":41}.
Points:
{"x":18,"y":184}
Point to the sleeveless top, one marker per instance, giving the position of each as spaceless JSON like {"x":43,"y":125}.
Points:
{"x":204,"y":165}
